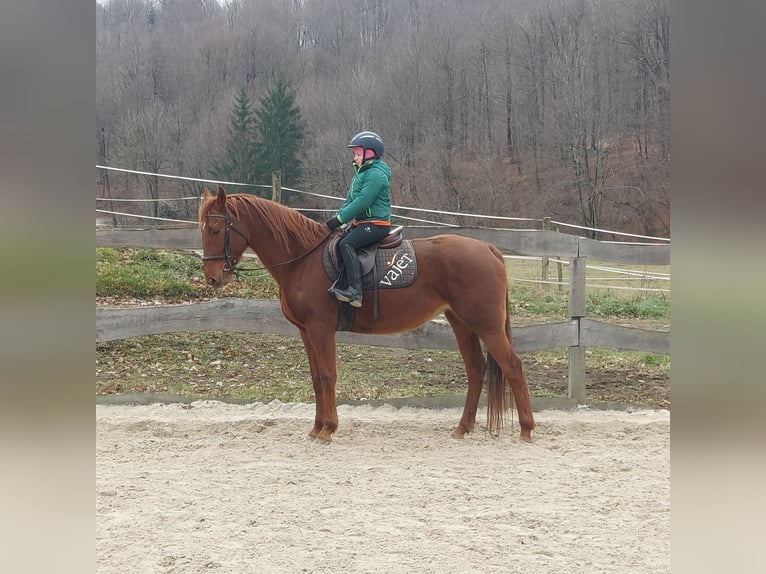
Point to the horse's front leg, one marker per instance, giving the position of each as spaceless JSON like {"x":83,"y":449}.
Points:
{"x":321,"y":352}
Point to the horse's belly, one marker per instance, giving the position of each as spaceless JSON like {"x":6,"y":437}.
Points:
{"x":395,"y":316}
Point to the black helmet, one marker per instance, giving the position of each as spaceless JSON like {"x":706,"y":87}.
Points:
{"x":368,"y":140}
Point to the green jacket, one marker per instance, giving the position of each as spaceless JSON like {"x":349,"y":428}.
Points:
{"x":368,"y":197}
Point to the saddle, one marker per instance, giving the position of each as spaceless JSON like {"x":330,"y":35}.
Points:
{"x":388,"y":264}
{"x":366,"y":255}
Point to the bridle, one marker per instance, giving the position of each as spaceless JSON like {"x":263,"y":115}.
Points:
{"x":228,"y":265}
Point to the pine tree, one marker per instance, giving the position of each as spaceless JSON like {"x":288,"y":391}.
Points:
{"x":239,"y":160}
{"x":281,"y":131}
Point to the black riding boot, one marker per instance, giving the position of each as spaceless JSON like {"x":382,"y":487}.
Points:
{"x":353,"y":293}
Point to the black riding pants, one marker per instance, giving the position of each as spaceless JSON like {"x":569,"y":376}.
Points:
{"x":360,"y":236}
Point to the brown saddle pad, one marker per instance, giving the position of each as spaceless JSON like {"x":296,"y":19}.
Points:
{"x":394,"y":267}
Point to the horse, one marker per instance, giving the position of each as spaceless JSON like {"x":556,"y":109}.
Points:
{"x":461,"y":277}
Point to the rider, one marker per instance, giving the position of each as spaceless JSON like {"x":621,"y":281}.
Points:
{"x":367,"y":207}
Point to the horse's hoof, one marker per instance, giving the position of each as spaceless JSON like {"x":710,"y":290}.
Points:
{"x":526,"y":436}
{"x":458,"y":433}
{"x":324,"y":436}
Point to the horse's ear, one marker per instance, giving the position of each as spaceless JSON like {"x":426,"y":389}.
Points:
{"x":221,"y":197}
{"x":206,"y":193}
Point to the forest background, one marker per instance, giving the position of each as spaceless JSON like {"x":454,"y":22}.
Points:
{"x":523,"y":108}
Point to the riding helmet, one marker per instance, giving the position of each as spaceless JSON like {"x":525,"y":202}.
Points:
{"x":368,"y":140}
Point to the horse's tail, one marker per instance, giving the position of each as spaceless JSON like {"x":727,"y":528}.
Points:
{"x":499,"y":398}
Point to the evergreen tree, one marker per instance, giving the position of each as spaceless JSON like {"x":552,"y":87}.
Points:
{"x":238,"y":163}
{"x":281,"y":131}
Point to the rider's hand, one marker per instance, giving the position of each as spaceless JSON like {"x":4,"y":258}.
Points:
{"x":333,"y":223}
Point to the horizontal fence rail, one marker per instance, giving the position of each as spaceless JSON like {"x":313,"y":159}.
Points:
{"x":265,"y":316}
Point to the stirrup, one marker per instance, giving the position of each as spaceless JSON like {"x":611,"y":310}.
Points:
{"x":335,"y":287}
{"x":348,"y":296}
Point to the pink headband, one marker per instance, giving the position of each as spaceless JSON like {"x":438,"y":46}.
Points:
{"x":364,"y":153}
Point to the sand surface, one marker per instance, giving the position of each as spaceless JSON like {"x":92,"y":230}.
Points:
{"x":232,"y":488}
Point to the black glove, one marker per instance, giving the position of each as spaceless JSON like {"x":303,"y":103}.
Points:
{"x":333,"y":223}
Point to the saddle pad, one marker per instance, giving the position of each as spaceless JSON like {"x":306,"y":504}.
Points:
{"x":396,"y":267}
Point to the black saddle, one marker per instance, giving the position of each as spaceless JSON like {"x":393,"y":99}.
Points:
{"x":366,"y":255}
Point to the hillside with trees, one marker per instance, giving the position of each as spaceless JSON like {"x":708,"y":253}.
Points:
{"x":517,"y":108}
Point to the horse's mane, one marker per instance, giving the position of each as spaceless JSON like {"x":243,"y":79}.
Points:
{"x":288,"y":227}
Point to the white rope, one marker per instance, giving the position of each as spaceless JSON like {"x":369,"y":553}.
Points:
{"x":180,"y":177}
{"x":424,"y":221}
{"x":196,"y":197}
{"x":519,"y":280}
{"x":630,"y":278}
{"x":145,"y":216}
{"x":466,"y":214}
{"x":296,"y":209}
{"x":613,"y":232}
{"x":438,"y":212}
{"x":313,"y":194}
{"x":596,"y":286}
{"x":652,"y":275}
{"x":532,"y":257}
{"x":589,"y":285}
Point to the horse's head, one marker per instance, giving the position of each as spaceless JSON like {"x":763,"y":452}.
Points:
{"x":221,"y":249}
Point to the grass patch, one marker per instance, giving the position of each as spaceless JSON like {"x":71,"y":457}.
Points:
{"x":530,"y":301}
{"x":610,"y":305}
{"x":145,"y":273}
{"x":172,"y":276}
{"x":525,"y":301}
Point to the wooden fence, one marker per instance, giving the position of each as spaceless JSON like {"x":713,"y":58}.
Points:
{"x":264,"y":316}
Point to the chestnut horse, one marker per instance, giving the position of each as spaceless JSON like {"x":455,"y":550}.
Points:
{"x":461,"y":277}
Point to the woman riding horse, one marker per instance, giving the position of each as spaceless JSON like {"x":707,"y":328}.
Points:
{"x":367,"y":208}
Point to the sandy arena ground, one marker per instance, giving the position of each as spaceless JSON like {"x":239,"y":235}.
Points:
{"x":231,"y":488}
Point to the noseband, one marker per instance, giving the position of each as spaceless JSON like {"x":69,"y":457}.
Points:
{"x":228,"y":265}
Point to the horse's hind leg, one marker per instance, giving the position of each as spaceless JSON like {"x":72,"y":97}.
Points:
{"x":501,"y":349}
{"x":470,"y":349}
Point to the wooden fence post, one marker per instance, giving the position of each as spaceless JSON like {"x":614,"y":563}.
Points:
{"x":559,"y":269}
{"x":544,"y":274}
{"x":276,"y":186}
{"x":577,"y":304}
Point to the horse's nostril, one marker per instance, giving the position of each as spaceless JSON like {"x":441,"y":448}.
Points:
{"x":211,"y":280}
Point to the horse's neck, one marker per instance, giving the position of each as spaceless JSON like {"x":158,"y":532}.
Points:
{"x":264,"y":238}
{"x":270,"y":240}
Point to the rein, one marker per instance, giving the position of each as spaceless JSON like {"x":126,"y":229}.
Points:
{"x":232,"y":267}
{"x":242,"y":270}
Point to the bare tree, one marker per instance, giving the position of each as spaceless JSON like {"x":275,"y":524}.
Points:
{"x":534,"y":64}
{"x":581,"y":139}
{"x":647,"y":36}
{"x":147,"y":144}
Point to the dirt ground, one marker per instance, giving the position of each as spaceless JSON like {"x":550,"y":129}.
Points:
{"x":215,"y":487}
